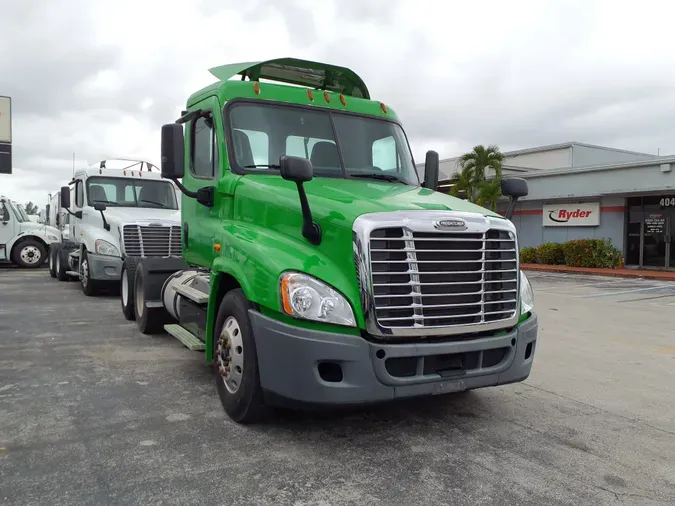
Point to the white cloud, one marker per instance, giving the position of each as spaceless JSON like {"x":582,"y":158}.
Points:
{"x":101,"y":77}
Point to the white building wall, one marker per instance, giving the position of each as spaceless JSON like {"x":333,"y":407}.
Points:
{"x":587,"y":155}
{"x":552,"y":159}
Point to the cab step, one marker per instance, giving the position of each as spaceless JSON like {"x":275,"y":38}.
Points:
{"x":193,"y":294}
{"x":73,"y":273}
{"x":186,"y":337}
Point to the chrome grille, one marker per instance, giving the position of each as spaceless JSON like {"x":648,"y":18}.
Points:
{"x":152,"y":240}
{"x":442,"y":279}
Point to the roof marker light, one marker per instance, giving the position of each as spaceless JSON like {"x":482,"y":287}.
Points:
{"x":124,"y":172}
{"x":383,"y":107}
{"x":256,"y":87}
{"x":326,"y":96}
{"x":310,"y":94}
{"x":343,"y":100}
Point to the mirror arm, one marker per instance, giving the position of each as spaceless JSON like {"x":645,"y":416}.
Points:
{"x":205,"y":196}
{"x":512,"y":207}
{"x":106,"y":225}
{"x":310,"y":229}
{"x":188,"y":193}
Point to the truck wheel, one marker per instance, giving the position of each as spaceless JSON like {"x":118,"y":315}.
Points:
{"x":29,"y":253}
{"x":236,"y":362}
{"x":150,"y":320}
{"x":61,"y":264}
{"x":127,"y":287}
{"x":53,"y":255}
{"x":89,"y":285}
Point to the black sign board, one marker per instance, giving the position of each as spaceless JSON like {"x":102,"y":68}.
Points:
{"x":5,"y":158}
{"x":655,"y":223}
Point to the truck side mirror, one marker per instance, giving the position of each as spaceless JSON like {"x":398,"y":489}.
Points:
{"x":296,"y":169}
{"x":100,"y":206}
{"x":65,"y":197}
{"x":300,"y":170}
{"x":514,"y":188}
{"x":431,"y":164}
{"x":173,"y":151}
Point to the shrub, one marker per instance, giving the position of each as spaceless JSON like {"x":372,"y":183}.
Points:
{"x":591,"y":253}
{"x":551,"y":253}
{"x":528,"y":255}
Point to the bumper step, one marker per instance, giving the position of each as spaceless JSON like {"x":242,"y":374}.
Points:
{"x":73,"y":273}
{"x":186,"y":337}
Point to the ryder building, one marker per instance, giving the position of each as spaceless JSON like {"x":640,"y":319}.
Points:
{"x":581,"y":191}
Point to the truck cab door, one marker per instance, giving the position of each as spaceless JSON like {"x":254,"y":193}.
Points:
{"x":8,"y":225}
{"x":202,"y":147}
{"x":77,"y":199}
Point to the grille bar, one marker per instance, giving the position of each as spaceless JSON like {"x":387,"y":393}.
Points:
{"x":442,"y":279}
{"x":152,"y":240}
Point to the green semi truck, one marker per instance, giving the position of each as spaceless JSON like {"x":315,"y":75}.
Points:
{"x":317,"y":269}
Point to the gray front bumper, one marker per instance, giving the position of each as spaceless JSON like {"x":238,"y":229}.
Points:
{"x":288,"y":359}
{"x":104,"y":267}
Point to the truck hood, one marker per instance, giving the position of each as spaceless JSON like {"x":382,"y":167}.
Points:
{"x":120,"y":215}
{"x":38,"y":228}
{"x":341,"y":201}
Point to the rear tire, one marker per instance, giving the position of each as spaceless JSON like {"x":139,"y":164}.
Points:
{"x":150,"y":320}
{"x":61,"y":264}
{"x":127,"y":282}
{"x":53,"y":255}
{"x":234,"y":348}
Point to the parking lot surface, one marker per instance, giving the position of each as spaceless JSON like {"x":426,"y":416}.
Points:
{"x":93,"y":412}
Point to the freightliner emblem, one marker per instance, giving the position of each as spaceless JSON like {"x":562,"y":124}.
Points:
{"x":450,"y":224}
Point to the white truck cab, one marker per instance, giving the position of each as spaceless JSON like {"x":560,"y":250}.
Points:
{"x":23,"y":241}
{"x":115,"y":214}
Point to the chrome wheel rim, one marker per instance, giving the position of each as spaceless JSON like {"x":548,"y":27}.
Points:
{"x":230,"y":355}
{"x":138,"y":297}
{"x":30,"y":255}
{"x":84,"y":273}
{"x":125,"y":288}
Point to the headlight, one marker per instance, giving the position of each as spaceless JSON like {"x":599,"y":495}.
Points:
{"x":526,"y":294}
{"x":303,"y":296}
{"x":52,"y":238}
{"x":105,"y":248}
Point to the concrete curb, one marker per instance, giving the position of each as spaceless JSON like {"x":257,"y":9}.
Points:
{"x":614,"y":273}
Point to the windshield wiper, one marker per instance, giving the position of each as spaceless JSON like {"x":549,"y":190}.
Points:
{"x":271,"y":166}
{"x":381,"y":177}
{"x":160,"y":204}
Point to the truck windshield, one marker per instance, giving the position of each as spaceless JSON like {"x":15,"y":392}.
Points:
{"x":21,"y":215}
{"x":126,"y":192}
{"x":338,"y":144}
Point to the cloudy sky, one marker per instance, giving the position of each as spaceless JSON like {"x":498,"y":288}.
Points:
{"x":99,"y":78}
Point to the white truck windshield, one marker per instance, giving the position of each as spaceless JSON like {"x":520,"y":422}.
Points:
{"x":338,"y":144}
{"x":126,"y":192}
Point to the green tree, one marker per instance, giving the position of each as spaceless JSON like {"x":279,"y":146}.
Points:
{"x":31,"y":208}
{"x":471,"y":179}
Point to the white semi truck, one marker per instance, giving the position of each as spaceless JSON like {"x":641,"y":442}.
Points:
{"x":23,"y":241}
{"x":113,"y":215}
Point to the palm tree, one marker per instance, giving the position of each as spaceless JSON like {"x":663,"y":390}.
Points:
{"x":472,"y":176}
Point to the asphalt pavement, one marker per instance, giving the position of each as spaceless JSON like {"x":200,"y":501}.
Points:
{"x":93,"y":412}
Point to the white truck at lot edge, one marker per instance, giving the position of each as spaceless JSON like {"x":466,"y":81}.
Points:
{"x":23,"y":241}
{"x":115,"y":217}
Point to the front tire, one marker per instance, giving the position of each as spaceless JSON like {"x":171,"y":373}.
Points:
{"x":89,"y":286}
{"x":29,"y":254}
{"x":127,"y":282}
{"x":236,"y":362}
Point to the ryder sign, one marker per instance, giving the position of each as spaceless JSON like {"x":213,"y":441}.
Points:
{"x":572,"y":215}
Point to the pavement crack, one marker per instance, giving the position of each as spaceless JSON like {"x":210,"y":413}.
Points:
{"x":635,"y":420}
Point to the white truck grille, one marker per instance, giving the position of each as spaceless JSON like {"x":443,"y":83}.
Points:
{"x":152,"y":240}
{"x":440,"y":279}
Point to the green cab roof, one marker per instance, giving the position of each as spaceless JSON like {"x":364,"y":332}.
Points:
{"x":321,"y":76}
